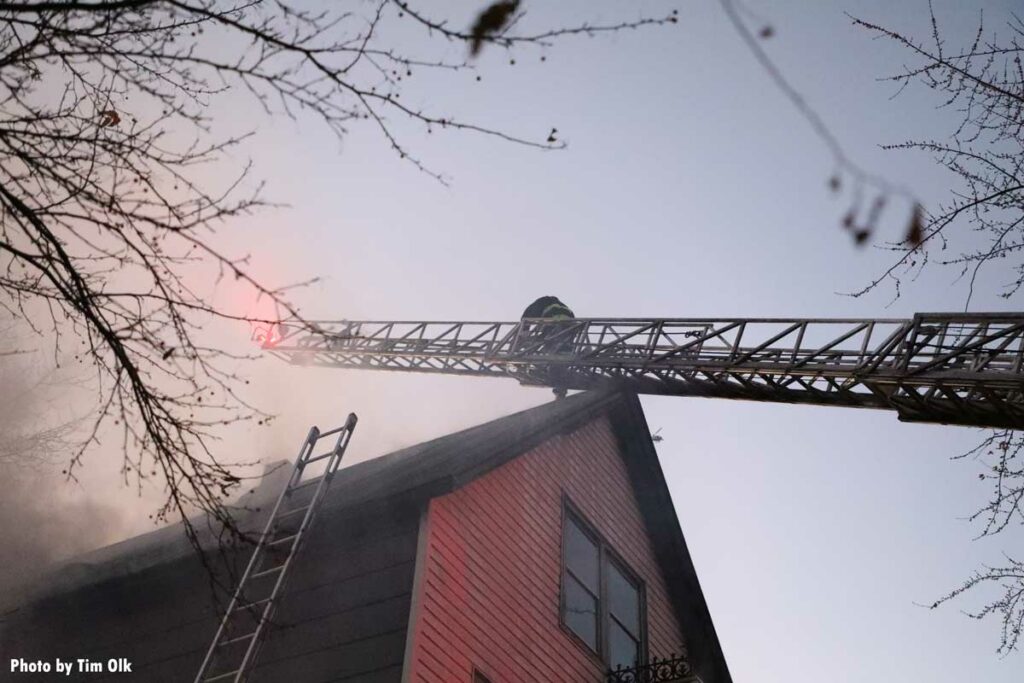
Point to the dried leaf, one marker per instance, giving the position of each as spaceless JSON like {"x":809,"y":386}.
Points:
{"x":109,"y":117}
{"x":915,"y":231}
{"x":490,"y":22}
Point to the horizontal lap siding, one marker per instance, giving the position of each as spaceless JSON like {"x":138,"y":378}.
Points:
{"x":343,"y":616}
{"x":489,"y":591}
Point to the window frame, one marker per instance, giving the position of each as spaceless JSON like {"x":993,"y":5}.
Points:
{"x":606,"y":555}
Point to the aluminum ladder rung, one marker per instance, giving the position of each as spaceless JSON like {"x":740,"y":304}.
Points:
{"x":318,"y":457}
{"x":348,"y":425}
{"x":268,"y":572}
{"x":266,"y":541}
{"x":282,"y":540}
{"x":236,"y":639}
{"x":292,"y":512}
{"x":298,"y":487}
{"x":248,"y":605}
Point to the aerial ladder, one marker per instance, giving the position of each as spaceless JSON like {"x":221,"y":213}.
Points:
{"x":946,"y":368}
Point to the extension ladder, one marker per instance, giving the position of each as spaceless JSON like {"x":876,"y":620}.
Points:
{"x":233,"y":651}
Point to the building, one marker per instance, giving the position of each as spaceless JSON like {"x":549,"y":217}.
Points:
{"x":542,"y":546}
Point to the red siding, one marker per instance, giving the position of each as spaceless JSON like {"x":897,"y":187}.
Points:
{"x":489,"y":590}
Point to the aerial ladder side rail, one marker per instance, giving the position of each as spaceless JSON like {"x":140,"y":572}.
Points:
{"x":950,"y":368}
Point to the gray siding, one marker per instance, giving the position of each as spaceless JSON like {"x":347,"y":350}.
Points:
{"x":344,"y":616}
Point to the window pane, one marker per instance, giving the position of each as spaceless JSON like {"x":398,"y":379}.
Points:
{"x":581,"y":556}
{"x":581,"y":612}
{"x":622,"y":649}
{"x":624,"y":600}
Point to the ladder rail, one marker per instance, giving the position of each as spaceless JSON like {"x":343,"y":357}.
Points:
{"x":268,"y":531}
{"x":303,"y":459}
{"x":344,"y":434}
{"x":253,"y":560}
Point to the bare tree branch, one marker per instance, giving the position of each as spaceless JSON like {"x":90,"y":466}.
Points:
{"x":104,"y":129}
{"x":983,"y":84}
{"x":862,"y":217}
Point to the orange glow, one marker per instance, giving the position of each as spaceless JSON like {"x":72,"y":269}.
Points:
{"x":267,"y":335}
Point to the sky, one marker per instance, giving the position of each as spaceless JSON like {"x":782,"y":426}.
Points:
{"x":689,"y":187}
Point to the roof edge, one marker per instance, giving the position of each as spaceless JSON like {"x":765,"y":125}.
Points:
{"x":705,"y":650}
{"x":593,"y":404}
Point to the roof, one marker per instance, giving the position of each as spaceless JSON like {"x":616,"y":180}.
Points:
{"x":442,"y":465}
{"x":427,"y":469}
{"x":389,"y":491}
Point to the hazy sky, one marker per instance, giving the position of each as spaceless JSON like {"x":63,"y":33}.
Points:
{"x":689,"y":187}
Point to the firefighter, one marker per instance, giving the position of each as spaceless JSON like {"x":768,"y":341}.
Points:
{"x":551,"y":308}
{"x":548,"y":307}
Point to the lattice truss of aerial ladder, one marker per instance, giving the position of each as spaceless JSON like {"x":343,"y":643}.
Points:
{"x":948,"y":368}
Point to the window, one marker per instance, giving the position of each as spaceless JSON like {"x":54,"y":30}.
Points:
{"x":624,"y":635}
{"x":479,"y":677}
{"x":581,"y":584}
{"x":602,"y":604}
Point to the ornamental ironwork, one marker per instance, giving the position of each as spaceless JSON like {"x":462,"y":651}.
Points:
{"x":673,"y":669}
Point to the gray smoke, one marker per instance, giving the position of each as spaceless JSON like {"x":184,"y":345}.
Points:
{"x":40,"y":527}
{"x":44,"y":518}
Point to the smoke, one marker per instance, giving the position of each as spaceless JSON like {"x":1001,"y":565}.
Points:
{"x":44,"y":517}
{"x":41,"y":525}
